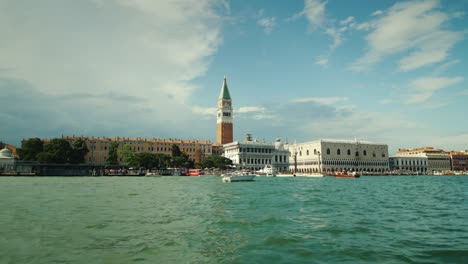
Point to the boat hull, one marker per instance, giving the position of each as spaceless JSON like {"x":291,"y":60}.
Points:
{"x":238,"y":178}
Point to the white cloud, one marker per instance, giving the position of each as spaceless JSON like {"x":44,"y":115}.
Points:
{"x":423,"y":88}
{"x":314,"y":11}
{"x":267,"y":23}
{"x":377,"y":13}
{"x":145,"y":49}
{"x":347,"y":21}
{"x":249,"y":109}
{"x":442,"y":68}
{"x":206,"y":111}
{"x":322,"y":61}
{"x":329,"y":101}
{"x":417,"y":27}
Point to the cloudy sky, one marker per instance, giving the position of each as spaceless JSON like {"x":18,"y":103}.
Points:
{"x":392,"y":72}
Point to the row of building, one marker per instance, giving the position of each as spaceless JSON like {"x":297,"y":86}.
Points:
{"x":307,"y":157}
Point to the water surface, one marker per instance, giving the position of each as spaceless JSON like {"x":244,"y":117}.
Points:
{"x":414,"y":219}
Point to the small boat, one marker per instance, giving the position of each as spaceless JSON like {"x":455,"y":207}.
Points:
{"x":284,"y":174}
{"x":153,"y":174}
{"x":344,"y":174}
{"x":268,"y":171}
{"x":312,"y":175}
{"x":238,"y":177}
{"x":195,"y":172}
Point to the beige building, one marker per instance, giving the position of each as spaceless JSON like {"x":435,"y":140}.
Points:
{"x":99,"y":147}
{"x":437,"y":159}
{"x":338,"y":155}
{"x":409,"y":164}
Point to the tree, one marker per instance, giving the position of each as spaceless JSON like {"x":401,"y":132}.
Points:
{"x":128,"y":155}
{"x":60,"y":151}
{"x":79,"y":152}
{"x":112,"y":157}
{"x":176,"y":151}
{"x":30,"y":148}
{"x":45,"y":157}
{"x":216,"y":161}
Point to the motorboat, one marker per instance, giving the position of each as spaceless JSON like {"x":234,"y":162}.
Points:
{"x":268,"y":171}
{"x":153,"y":174}
{"x":238,"y":177}
{"x":344,"y":174}
{"x":312,"y":175}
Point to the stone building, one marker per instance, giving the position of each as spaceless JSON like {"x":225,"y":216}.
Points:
{"x":338,"y":155}
{"x":255,"y":155}
{"x":414,"y":164}
{"x":459,"y":160}
{"x":437,"y":159}
{"x":99,"y":147}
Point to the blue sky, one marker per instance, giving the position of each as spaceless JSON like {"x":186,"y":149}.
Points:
{"x":392,"y":72}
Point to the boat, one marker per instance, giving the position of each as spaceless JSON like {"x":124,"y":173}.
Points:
{"x":268,"y":171}
{"x":285,"y":174}
{"x":238,"y":177}
{"x":153,"y":174}
{"x":344,"y":174}
{"x":312,"y":175}
{"x":195,"y":172}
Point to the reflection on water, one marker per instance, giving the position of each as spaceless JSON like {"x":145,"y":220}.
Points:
{"x":202,"y":220}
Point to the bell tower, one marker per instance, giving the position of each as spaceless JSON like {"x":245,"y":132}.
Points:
{"x":224,"y":132}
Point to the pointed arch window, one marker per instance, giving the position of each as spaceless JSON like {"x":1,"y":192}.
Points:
{"x":349,"y":152}
{"x":338,"y":152}
{"x":328,"y":151}
{"x":307,"y":153}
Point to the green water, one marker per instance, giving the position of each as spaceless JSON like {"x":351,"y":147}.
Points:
{"x":419,"y":219}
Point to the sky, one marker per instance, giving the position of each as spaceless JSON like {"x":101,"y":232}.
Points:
{"x":391,"y":72}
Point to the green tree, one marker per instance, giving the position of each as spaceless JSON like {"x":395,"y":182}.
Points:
{"x":30,"y":148}
{"x":60,"y":150}
{"x":175,"y":151}
{"x":163,"y":160}
{"x":45,"y":157}
{"x":128,"y":155}
{"x":216,"y":161}
{"x":79,"y":152}
{"x":112,"y":157}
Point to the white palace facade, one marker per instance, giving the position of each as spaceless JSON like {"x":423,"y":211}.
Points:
{"x":338,"y":155}
{"x":255,"y":155}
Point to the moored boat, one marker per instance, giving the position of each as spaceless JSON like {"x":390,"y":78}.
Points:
{"x":312,"y":175}
{"x":152,"y":174}
{"x":344,"y":174}
{"x":268,"y":171}
{"x":195,"y":172}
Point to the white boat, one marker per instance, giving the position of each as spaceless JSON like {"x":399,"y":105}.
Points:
{"x":238,"y":177}
{"x":152,"y":174}
{"x":285,"y":175}
{"x":312,"y":175}
{"x":268,"y":171}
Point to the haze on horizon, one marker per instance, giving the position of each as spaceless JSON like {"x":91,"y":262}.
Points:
{"x":390,"y":72}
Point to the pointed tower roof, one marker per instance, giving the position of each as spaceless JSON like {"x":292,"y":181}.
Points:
{"x":224,"y":91}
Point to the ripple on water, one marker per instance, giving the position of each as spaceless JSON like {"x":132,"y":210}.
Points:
{"x":202,"y":220}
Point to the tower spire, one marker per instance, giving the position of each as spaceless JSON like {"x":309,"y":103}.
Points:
{"x":224,"y":91}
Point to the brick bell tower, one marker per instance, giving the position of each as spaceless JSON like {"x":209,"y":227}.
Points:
{"x":224,"y":132}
